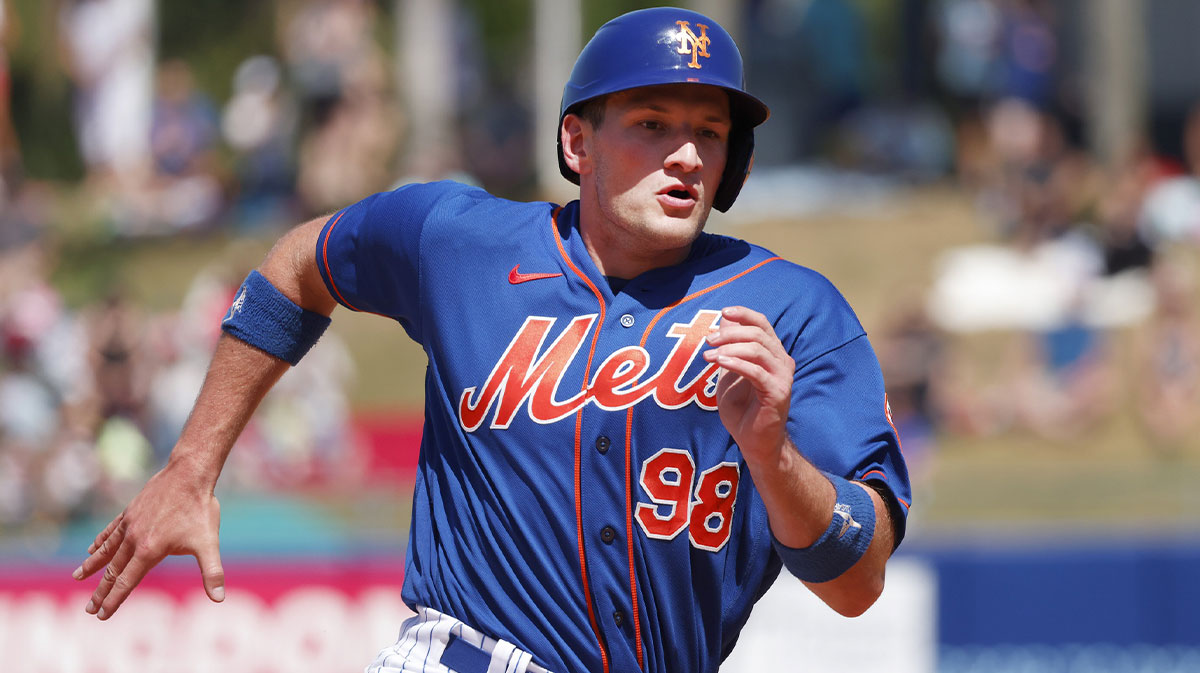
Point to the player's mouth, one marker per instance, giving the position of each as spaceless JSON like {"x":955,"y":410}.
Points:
{"x":678,"y":196}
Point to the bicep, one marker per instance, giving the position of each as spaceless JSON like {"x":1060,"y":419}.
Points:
{"x":291,"y":266}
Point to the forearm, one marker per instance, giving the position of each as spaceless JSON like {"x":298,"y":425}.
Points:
{"x":754,"y":399}
{"x":800,"y":501}
{"x":177,"y":512}
{"x":240,"y":375}
{"x":238,"y":378}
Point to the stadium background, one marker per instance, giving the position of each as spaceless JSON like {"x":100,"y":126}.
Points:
{"x":1007,"y":191}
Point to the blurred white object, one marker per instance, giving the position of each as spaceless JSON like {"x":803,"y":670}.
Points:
{"x":789,"y":620}
{"x":253,"y":113}
{"x":1171,"y":211}
{"x":986,"y":287}
{"x":110,"y":47}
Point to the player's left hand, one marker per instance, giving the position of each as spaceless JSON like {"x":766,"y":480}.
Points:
{"x":754,"y":391}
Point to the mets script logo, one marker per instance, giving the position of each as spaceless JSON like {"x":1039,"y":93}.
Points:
{"x":522,"y":377}
{"x":689,"y":43}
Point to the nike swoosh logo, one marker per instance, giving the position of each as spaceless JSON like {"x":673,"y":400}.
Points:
{"x":516,"y":277}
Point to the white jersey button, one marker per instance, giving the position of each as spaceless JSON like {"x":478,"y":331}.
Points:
{"x":627,"y":320}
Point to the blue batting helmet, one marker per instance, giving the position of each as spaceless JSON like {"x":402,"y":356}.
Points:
{"x":666,"y":45}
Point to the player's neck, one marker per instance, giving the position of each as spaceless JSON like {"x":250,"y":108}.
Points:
{"x":621,"y":258}
{"x":621,"y":250}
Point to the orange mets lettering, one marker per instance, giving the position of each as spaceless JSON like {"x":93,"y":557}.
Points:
{"x":516,"y":376}
{"x":690,"y":43}
{"x":521,"y":376}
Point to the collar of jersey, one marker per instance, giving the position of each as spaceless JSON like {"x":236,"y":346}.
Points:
{"x":710,"y":254}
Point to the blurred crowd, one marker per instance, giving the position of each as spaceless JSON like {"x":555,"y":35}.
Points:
{"x":1087,"y":268}
{"x":307,"y":127}
{"x":92,"y":400}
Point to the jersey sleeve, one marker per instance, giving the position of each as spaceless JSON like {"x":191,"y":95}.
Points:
{"x":369,"y":253}
{"x":840,"y":420}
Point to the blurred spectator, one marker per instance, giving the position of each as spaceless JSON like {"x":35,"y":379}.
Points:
{"x":815,"y":56}
{"x":124,"y":455}
{"x":497,"y":131}
{"x":1064,"y":379}
{"x":833,"y":37}
{"x":1172,"y":208}
{"x":179,"y":368}
{"x":70,"y":474}
{"x":1035,"y":183}
{"x":30,"y":312}
{"x":911,"y":140}
{"x":1028,"y":54}
{"x":118,"y":358}
{"x":29,"y":409}
{"x":259,"y":123}
{"x":108,"y":50}
{"x":1121,"y":240}
{"x":353,"y":153}
{"x":912,"y":354}
{"x":1167,"y":373}
{"x":301,"y":434}
{"x":181,"y":190}
{"x":969,"y":32}
{"x":43,"y":392}
{"x":184,"y":128}
{"x":91,"y":401}
{"x":323,"y":42}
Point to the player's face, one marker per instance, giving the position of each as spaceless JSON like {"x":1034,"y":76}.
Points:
{"x":656,"y":162}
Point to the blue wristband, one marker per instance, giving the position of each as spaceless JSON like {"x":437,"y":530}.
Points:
{"x":265,"y":318}
{"x":842,"y":544}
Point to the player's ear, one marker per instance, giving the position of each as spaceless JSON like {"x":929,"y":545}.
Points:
{"x":574,"y":134}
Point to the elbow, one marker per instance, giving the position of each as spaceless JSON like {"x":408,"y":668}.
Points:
{"x":859,"y":598}
{"x":856,"y":606}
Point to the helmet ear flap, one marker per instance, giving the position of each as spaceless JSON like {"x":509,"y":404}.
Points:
{"x":738,"y":161}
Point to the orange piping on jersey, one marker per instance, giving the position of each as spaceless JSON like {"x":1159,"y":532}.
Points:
{"x":329,"y":272}
{"x":637,"y":629}
{"x":637,"y":622}
{"x":587,"y":590}
{"x":884,"y":477}
{"x":325,"y":260}
{"x":697,"y":293}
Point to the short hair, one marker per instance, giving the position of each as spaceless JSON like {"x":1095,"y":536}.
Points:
{"x":592,"y":110}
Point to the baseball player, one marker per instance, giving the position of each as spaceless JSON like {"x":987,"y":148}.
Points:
{"x":631,"y":425}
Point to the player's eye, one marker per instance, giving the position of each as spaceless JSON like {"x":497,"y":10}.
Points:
{"x":651,"y":124}
{"x":711,"y":134}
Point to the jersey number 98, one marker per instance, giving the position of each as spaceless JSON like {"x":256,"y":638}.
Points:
{"x":668,"y":477}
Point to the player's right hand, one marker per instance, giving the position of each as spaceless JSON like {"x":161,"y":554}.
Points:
{"x":170,"y":516}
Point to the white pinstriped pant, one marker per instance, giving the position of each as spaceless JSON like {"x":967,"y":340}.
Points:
{"x":425,"y":636}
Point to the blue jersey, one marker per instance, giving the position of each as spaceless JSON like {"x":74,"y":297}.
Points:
{"x":577,"y":493}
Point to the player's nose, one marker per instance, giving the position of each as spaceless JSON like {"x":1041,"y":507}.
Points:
{"x":685,"y":156}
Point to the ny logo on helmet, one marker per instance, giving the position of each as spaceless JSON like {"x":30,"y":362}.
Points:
{"x":690,"y":43}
